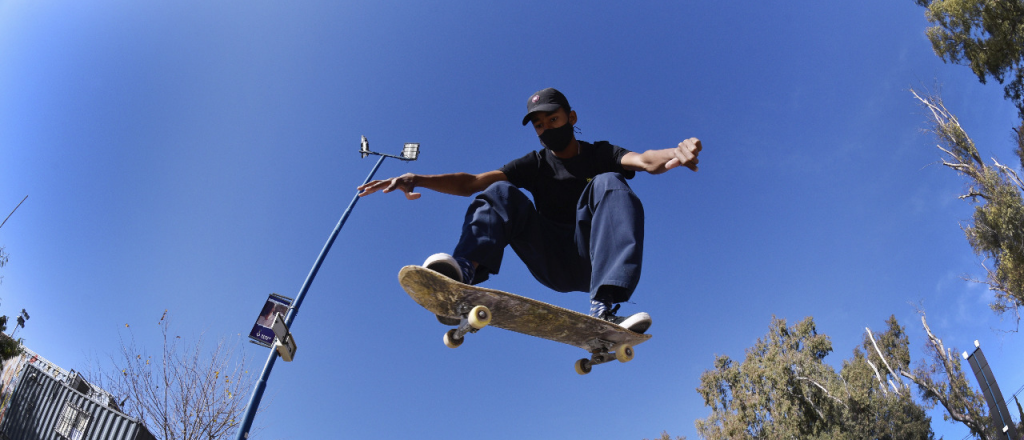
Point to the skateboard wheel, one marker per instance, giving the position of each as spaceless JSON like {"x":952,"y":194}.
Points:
{"x":583,"y":366}
{"x":450,"y":341}
{"x":479,"y":317}
{"x":624,"y":353}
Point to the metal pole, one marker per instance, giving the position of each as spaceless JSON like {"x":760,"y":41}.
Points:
{"x":261,"y":384}
{"x":12,"y":211}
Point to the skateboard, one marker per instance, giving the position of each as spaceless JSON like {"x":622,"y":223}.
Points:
{"x":476,"y":308}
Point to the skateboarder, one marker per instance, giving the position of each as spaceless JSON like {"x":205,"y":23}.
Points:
{"x":585,"y":230}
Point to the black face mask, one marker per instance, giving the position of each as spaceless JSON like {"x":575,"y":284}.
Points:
{"x":556,"y":139}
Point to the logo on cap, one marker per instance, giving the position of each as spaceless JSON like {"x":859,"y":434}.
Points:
{"x":535,"y":98}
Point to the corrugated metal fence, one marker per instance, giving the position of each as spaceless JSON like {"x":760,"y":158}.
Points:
{"x":42,"y":407}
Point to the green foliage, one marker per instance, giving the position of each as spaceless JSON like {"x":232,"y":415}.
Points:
{"x":881,"y":405}
{"x":997,"y":232}
{"x":941,"y":381}
{"x":987,"y":35}
{"x":783,"y":389}
{"x":9,"y":347}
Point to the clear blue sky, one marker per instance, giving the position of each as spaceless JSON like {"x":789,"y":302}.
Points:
{"x":194,"y":156}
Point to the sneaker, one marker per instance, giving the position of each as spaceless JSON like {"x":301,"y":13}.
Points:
{"x":458,"y":269}
{"x":637,"y":322}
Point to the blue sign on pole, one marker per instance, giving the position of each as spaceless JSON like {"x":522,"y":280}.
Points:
{"x":261,"y":333}
{"x":411,"y":152}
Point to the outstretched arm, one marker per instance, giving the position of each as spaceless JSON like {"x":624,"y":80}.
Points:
{"x":659,"y":161}
{"x":460,"y":184}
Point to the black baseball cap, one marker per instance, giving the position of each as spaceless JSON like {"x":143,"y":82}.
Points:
{"x":547,"y":100}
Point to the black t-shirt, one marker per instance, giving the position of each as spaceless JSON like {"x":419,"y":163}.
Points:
{"x":556,"y":184}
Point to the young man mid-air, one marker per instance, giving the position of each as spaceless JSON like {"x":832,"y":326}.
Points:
{"x":583,"y":232}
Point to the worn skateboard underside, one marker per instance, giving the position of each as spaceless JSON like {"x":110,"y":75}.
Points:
{"x":445,"y":297}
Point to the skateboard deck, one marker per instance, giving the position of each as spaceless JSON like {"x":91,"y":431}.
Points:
{"x":477,"y":307}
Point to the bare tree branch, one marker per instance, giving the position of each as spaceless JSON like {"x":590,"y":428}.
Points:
{"x":824,"y":390}
{"x":955,"y":396}
{"x":881,"y":385}
{"x":187,"y":392}
{"x":871,"y":336}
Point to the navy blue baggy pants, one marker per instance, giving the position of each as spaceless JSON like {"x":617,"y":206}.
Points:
{"x":603,"y":248}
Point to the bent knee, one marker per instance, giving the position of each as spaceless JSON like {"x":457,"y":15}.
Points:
{"x":500,"y":187}
{"x":610,"y":181}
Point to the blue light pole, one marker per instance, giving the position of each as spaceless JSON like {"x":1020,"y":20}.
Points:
{"x":409,"y":153}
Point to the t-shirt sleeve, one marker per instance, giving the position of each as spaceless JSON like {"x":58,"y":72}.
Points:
{"x":522,"y":172}
{"x":614,"y":154}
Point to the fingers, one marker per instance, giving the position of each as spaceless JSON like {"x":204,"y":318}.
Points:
{"x":386,"y":186}
{"x":372,"y":186}
{"x":686,"y":153}
{"x":376,"y":185}
{"x":691,"y":164}
{"x":691,"y":145}
{"x":695,"y":142}
{"x":369,"y":187}
{"x":684,"y":157}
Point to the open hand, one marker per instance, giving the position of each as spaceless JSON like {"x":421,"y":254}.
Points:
{"x":403,"y":183}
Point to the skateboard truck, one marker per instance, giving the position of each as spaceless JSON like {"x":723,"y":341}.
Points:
{"x":476,"y":318}
{"x":473,"y":319}
{"x":601,"y":351}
